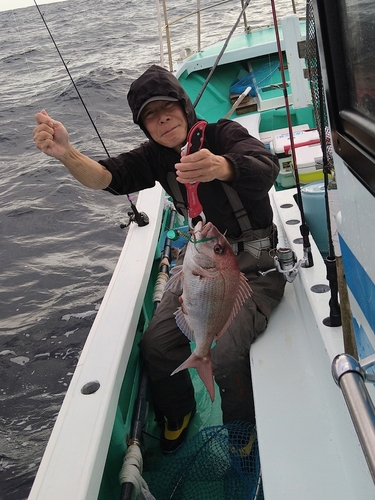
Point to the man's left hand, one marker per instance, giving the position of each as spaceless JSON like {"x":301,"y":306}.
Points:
{"x":204,"y":166}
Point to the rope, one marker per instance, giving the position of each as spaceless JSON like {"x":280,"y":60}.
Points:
{"x":131,"y":471}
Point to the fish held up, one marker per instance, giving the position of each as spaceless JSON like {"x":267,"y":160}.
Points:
{"x":214,"y":289}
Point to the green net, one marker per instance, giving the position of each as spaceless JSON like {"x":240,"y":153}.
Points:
{"x":220,"y":462}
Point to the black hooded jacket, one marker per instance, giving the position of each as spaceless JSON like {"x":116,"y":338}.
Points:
{"x":255,"y":167}
{"x":154,"y":82}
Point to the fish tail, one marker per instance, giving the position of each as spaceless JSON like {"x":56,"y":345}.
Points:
{"x":204,"y":368}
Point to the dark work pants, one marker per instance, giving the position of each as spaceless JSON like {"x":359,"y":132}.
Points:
{"x":164,"y":347}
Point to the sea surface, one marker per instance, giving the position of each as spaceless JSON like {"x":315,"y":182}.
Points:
{"x":59,"y":241}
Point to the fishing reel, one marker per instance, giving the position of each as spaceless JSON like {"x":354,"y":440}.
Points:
{"x":139,"y":218}
{"x":285,"y":262}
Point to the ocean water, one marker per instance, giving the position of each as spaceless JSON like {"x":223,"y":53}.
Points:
{"x":59,"y":240}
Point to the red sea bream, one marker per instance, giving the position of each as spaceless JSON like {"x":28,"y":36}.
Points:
{"x":214,"y":289}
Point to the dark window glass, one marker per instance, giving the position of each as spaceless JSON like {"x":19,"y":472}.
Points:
{"x":346,"y":36}
{"x":358,"y":37}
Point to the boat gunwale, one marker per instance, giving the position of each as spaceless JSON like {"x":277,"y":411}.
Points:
{"x":88,"y":419}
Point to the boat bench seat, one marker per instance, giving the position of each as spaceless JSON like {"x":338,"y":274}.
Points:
{"x":308,"y":446}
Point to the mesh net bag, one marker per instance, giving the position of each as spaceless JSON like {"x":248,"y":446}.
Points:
{"x":220,"y":462}
{"x":255,"y":79}
{"x":316,"y":84}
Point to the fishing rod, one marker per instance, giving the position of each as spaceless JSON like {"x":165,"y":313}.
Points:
{"x":220,"y":54}
{"x":304,"y":228}
{"x":165,"y":263}
{"x":139,"y":217}
{"x":334,"y":318}
{"x":131,"y":471}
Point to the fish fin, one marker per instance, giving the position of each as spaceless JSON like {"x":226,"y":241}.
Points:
{"x":176,"y":280}
{"x":182,"y":324}
{"x":175,"y":270}
{"x":244,"y":291}
{"x":204,"y":368}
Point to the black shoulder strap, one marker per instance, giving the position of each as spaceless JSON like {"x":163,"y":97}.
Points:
{"x":177,"y":195}
{"x":237,"y":205}
{"x":239,"y":211}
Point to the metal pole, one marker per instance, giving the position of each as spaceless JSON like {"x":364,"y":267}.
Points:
{"x":199,"y":24}
{"x":220,"y":55}
{"x":350,"y":377}
{"x":244,"y":17}
{"x":168,"y":36}
{"x":158,"y":13}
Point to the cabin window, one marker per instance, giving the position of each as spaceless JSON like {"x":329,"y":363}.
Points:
{"x":358,"y":28}
{"x":345,"y":31}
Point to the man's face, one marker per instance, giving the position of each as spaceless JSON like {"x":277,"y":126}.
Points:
{"x":166,"y":122}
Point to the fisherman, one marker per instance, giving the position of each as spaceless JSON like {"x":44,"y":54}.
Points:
{"x":235,"y":172}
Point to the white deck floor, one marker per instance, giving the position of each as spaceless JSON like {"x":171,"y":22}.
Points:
{"x":308,"y":446}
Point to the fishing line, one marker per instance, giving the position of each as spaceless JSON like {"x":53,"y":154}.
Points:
{"x":71,"y":78}
{"x":139,"y":217}
{"x":192,"y":239}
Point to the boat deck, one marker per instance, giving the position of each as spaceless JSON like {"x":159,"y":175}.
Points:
{"x":242,"y":46}
{"x":253,"y":52}
{"x":307,"y":442}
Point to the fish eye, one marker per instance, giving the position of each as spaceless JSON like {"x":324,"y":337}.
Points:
{"x":218,"y":249}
